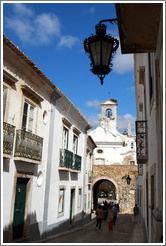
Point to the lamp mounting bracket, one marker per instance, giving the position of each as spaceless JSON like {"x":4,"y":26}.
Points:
{"x":109,"y":20}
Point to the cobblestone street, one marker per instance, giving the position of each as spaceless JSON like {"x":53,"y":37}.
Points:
{"x":125,"y":231}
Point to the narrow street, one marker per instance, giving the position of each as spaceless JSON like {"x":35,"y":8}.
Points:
{"x":125,"y":231}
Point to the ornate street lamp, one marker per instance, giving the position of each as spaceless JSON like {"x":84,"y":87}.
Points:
{"x":101,"y":48}
{"x":128,"y":179}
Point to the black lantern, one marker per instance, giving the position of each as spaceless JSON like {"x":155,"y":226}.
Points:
{"x":101,"y":48}
{"x":128,"y":179}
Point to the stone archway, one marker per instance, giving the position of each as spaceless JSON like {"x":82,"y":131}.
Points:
{"x":125,"y":194}
{"x":104,"y":189}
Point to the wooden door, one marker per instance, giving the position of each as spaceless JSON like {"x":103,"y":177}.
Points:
{"x":19,"y":207}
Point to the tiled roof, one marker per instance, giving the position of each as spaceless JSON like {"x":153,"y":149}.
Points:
{"x":21,"y":54}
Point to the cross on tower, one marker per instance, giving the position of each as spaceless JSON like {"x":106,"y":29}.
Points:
{"x":109,"y":94}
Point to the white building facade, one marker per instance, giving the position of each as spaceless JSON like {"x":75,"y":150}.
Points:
{"x":44,"y":153}
{"x":147,"y":48}
{"x":112,"y":146}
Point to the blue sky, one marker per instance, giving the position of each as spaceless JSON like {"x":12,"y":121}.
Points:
{"x":52,"y":35}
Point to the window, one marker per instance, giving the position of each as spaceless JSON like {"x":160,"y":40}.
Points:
{"x":28,"y":116}
{"x":150,"y":58}
{"x":45,"y":117}
{"x":79,"y":197}
{"x":5,"y":90}
{"x":132,"y":145}
{"x":132,"y":163}
{"x":109,"y":113}
{"x":100,"y":151}
{"x":61,"y":201}
{"x":65,"y":137}
{"x":99,"y":161}
{"x":75,"y":144}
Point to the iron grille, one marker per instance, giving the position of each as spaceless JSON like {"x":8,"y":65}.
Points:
{"x":141,"y":142}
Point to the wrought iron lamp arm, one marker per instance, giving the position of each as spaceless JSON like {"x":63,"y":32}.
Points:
{"x":109,"y":20}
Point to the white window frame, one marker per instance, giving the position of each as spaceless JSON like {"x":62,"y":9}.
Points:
{"x":27,"y":116}
{"x":75,"y":144}
{"x":61,"y":201}
{"x":65,"y":138}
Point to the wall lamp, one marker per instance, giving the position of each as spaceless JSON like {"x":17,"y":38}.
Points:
{"x":128,"y":179}
{"x":101,"y":48}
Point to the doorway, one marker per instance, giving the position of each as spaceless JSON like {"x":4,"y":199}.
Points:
{"x":103,"y":190}
{"x":19,"y":207}
{"x":72,"y":198}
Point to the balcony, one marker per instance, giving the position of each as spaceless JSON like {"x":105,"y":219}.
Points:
{"x":28,"y":147}
{"x":69,"y":161}
{"x":77,"y":162}
{"x":141,"y":142}
{"x":8,"y":139}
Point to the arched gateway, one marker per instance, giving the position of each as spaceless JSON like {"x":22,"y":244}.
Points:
{"x":104,"y":189}
{"x":109,"y":183}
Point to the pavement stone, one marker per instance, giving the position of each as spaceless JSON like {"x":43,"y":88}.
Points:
{"x":125,"y":231}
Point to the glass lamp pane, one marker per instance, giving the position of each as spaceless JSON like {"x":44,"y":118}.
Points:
{"x":106,"y":51}
{"x":95,"y":48}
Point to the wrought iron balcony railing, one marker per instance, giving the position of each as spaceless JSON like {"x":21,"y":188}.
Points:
{"x":8,"y":138}
{"x":28,"y":145}
{"x":69,"y":160}
{"x":77,"y":162}
{"x":66,"y":158}
{"x":141,"y":142}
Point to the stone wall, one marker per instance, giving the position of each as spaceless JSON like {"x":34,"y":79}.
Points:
{"x":125,"y":194}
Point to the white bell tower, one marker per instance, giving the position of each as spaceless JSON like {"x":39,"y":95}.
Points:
{"x":109,"y":115}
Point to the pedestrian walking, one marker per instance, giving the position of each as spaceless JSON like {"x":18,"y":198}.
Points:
{"x":115,"y":210}
{"x":105,"y":209}
{"x":136,"y":213}
{"x":110,"y":217}
{"x":99,"y":217}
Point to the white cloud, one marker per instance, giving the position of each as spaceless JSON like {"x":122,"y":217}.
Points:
{"x":37,"y":29}
{"x":94,"y":104}
{"x":68,"y":41}
{"x":123,"y":63}
{"x":48,"y":24}
{"x":22,"y":9}
{"x":123,"y":120}
{"x":22,"y":28}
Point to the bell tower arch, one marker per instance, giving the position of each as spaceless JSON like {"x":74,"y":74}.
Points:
{"x":109,"y":114}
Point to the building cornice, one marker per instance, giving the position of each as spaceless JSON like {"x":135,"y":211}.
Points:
{"x":35,"y":68}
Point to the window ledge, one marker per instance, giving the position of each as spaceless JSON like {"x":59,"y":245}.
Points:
{"x":8,"y":78}
{"x":68,"y":169}
{"x":31,"y":161}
